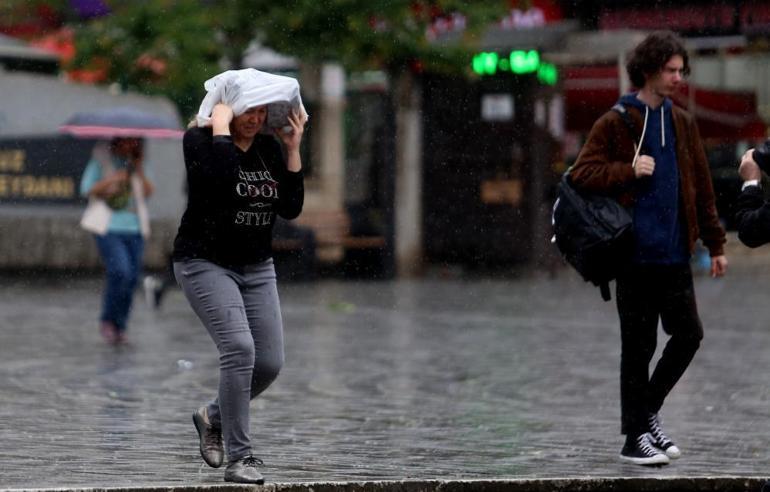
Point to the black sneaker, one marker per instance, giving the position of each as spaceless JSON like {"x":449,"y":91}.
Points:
{"x":244,"y":470}
{"x":640,"y":451}
{"x":210,"y":437}
{"x":660,"y":440}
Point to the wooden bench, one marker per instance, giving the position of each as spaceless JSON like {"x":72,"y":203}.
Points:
{"x":332,"y":234}
{"x":282,"y":244}
{"x":332,"y":250}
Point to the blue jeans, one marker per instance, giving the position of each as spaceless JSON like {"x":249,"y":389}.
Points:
{"x":121,"y":254}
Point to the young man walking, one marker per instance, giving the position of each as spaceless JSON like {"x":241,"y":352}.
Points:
{"x":647,"y":153}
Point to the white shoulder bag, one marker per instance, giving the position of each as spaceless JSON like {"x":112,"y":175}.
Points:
{"x":96,"y":217}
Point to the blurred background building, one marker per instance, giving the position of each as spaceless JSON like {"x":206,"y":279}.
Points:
{"x":432,"y":170}
{"x":40,"y":168}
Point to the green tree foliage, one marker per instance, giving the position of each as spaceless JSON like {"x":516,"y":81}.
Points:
{"x":164,"y":47}
{"x":171,"y":47}
{"x":381,"y":34}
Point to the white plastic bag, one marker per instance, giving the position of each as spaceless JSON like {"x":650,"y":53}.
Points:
{"x":244,"y":89}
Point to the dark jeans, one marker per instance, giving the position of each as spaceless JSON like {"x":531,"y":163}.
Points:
{"x":646,"y":294}
{"x":122,"y":258}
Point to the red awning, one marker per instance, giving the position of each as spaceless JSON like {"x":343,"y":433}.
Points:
{"x":726,"y":115}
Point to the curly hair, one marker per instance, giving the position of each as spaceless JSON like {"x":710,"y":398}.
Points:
{"x":652,"y":54}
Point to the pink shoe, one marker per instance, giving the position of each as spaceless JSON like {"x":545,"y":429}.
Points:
{"x":109,"y":332}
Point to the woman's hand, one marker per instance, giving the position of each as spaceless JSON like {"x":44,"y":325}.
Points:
{"x":111,"y":185}
{"x":221,"y":116}
{"x":292,"y":139}
{"x":118,"y":182}
{"x":137,"y":167}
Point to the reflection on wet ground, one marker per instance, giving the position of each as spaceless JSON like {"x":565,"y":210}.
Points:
{"x":383,"y":380}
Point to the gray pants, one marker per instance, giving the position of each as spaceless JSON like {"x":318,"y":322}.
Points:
{"x":242,"y":314}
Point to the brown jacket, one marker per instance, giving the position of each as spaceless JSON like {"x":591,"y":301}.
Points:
{"x":604,"y":167}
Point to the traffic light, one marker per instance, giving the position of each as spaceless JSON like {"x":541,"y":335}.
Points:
{"x":518,"y":62}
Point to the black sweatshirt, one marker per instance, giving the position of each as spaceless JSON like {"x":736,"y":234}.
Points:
{"x":233,"y":198}
{"x":753,"y":217}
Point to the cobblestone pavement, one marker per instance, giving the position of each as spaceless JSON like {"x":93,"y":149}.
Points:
{"x":425,"y":379}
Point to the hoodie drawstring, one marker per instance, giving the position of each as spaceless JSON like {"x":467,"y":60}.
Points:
{"x":641,"y":140}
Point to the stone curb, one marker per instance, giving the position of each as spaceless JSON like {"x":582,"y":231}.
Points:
{"x":598,"y":484}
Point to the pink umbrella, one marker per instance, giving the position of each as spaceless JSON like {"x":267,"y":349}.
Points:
{"x":121,"y":121}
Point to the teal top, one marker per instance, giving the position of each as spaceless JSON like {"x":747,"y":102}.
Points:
{"x":124,"y":218}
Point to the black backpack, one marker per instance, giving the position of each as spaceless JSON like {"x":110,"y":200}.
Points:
{"x":594,"y":233}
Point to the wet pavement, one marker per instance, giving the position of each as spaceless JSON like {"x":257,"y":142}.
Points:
{"x":415,"y":379}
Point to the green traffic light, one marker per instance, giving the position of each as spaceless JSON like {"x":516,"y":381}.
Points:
{"x":524,"y":61}
{"x":547,"y":74}
{"x":518,"y":62}
{"x":478,"y":63}
{"x":485,"y":63}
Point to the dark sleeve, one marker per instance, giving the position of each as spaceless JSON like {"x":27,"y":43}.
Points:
{"x":212,"y":159}
{"x":595,"y":170}
{"x":292,"y":187}
{"x":292,"y":195}
{"x":711,"y":231}
{"x":753,"y":217}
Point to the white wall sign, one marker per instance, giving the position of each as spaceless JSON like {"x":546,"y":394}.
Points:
{"x":497,"y":107}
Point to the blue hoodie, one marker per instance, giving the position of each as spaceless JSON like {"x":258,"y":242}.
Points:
{"x":657,"y":225}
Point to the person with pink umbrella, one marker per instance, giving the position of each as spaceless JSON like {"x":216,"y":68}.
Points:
{"x":115,"y":181}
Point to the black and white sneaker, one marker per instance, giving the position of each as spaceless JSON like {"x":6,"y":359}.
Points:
{"x":660,"y":440}
{"x":640,"y":451}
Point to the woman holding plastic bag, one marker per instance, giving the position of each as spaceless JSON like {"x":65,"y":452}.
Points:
{"x":116,"y":185}
{"x":238,"y":179}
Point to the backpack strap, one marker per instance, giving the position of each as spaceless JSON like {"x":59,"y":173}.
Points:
{"x":620,"y":108}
